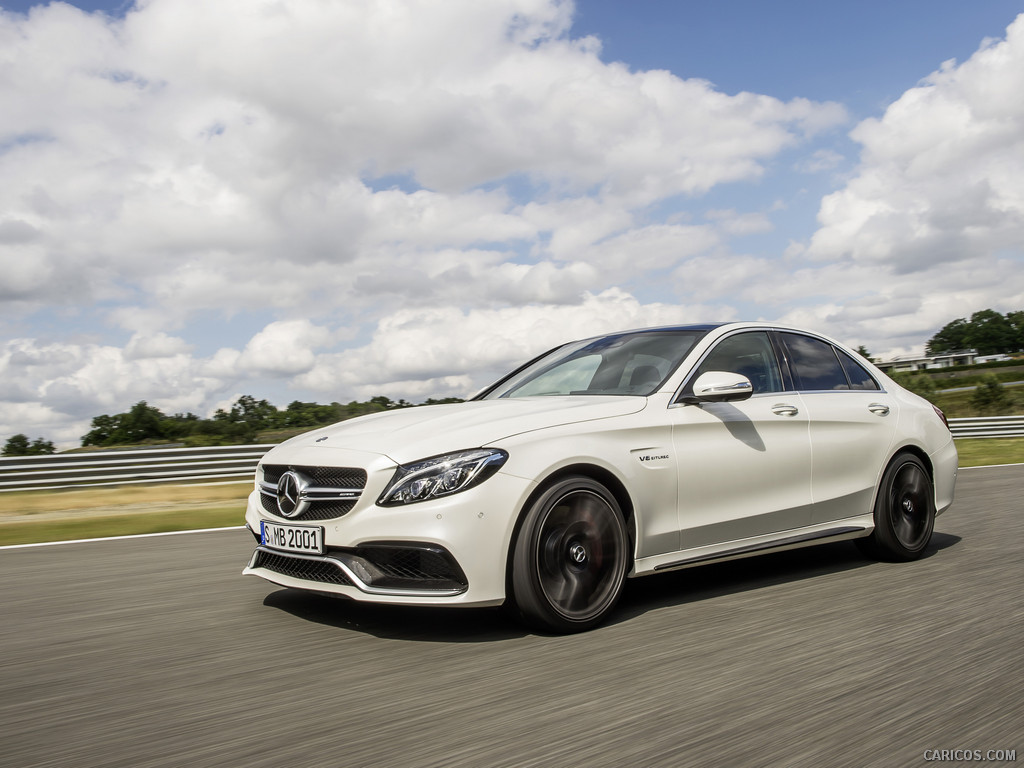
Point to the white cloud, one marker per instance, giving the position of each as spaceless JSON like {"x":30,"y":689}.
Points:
{"x":196,"y":156}
{"x":942,"y":172}
{"x":157,"y":345}
{"x":284,"y":348}
{"x":449,"y":351}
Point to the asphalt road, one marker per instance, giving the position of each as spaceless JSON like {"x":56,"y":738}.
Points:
{"x":157,"y":652}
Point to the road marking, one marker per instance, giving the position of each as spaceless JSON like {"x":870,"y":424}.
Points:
{"x":115,"y":538}
{"x":991,"y":466}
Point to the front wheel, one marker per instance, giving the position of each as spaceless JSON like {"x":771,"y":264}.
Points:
{"x":570,"y":559}
{"x":904,"y":512}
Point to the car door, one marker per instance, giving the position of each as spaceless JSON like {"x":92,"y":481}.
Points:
{"x":852,"y":425}
{"x":744,"y":467}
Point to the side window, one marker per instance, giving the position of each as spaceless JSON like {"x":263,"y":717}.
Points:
{"x":859,"y":378}
{"x":750,"y":354}
{"x":814,"y":364}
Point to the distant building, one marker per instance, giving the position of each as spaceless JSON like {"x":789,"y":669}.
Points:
{"x":909,"y":364}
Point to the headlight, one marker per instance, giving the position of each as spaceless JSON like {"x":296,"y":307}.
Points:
{"x":441,"y":476}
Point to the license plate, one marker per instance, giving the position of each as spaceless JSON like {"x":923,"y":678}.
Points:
{"x":292,"y":538}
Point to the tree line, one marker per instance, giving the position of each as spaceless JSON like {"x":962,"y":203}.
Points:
{"x":245,"y":420}
{"x":987,"y":332}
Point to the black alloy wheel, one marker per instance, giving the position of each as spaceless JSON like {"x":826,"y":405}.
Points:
{"x":571,"y":556}
{"x":904,"y":512}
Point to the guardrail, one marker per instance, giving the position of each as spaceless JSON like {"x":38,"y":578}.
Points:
{"x":237,"y":463}
{"x":995,"y":426}
{"x":233,"y":463}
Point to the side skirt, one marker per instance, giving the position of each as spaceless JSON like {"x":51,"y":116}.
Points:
{"x":737,"y":550}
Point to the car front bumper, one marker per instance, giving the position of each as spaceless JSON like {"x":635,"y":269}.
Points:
{"x":447,"y":551}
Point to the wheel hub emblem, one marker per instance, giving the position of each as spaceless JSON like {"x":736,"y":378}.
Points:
{"x":291,"y":488}
{"x":578,"y":553}
{"x":908,"y":506}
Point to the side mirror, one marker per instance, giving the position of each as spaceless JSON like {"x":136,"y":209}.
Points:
{"x":720,"y":387}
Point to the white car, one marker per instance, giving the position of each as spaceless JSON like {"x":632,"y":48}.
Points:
{"x":617,"y":456}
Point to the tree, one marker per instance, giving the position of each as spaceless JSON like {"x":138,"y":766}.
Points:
{"x":952,"y":338}
{"x":103,"y":429}
{"x":18,"y":445}
{"x":256,"y":414}
{"x":990,"y":333}
{"x":41,"y":447}
{"x":179,"y":426}
{"x":142,"y":422}
{"x":299,"y":414}
{"x":863,"y":352}
{"x":1016,"y":319}
{"x":987,"y":332}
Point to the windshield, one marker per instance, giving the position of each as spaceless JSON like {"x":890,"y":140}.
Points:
{"x":623,"y":364}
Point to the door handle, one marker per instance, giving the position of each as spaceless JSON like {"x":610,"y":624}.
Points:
{"x":879,"y":409}
{"x":784,"y":409}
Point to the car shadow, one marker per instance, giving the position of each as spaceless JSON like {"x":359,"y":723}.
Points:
{"x":707,"y":582}
{"x":483,"y":625}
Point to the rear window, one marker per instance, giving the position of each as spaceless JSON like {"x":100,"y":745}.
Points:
{"x":856,"y":373}
{"x":814,"y":364}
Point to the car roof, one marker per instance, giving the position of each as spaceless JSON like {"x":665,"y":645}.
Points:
{"x":694,"y":327}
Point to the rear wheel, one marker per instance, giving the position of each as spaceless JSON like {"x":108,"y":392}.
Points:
{"x":904,"y":512}
{"x":571,"y":556}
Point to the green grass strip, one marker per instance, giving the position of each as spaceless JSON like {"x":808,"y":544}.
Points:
{"x":70,"y":529}
{"x":983,"y":452}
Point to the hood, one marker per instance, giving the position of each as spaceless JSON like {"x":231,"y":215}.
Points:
{"x":409,"y":434}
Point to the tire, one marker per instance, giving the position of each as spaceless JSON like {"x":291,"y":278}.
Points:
{"x":570,"y":558}
{"x":904,"y":512}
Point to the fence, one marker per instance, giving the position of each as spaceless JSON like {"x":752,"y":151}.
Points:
{"x":996,"y":426}
{"x":237,"y":463}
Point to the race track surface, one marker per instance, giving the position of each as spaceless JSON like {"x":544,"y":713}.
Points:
{"x":157,"y":652}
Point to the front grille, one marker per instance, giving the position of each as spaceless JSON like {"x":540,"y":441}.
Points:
{"x":330,"y":477}
{"x":301,"y":568}
{"x":350,"y":478}
{"x":318,"y":510}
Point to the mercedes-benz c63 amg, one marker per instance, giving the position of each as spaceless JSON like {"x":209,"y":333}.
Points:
{"x":604,"y":459}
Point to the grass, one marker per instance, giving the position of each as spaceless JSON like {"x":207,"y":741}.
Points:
{"x":95,"y":527}
{"x":983,"y":452}
{"x":40,"y":516}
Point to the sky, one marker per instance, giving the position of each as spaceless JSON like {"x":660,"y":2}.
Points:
{"x":328,"y":200}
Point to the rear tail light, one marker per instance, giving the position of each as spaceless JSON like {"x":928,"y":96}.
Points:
{"x":941,"y":415}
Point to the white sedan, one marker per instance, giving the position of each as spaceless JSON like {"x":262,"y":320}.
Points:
{"x":613,"y":457}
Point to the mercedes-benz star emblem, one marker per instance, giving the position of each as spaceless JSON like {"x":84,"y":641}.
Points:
{"x":290,"y":501}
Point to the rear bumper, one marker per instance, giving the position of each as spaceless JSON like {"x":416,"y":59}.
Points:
{"x":944,"y":467}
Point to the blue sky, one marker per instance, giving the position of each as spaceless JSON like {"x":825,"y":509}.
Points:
{"x":322,"y":202}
